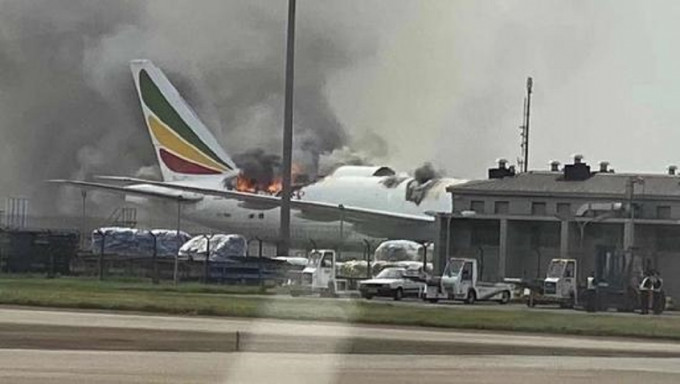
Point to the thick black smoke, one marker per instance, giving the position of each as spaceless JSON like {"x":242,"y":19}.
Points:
{"x":68,"y":108}
{"x":425,"y":173}
{"x":259,"y":169}
{"x":53,"y":123}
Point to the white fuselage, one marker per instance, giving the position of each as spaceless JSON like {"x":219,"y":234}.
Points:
{"x":369,"y":192}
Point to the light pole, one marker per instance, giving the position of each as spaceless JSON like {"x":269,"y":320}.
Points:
{"x":206,"y":262}
{"x":154,"y":258}
{"x":369,"y":248}
{"x":342,"y":227}
{"x":629,"y":236}
{"x":284,"y":227}
{"x":83,"y":194}
{"x":100,"y":263}
{"x":178,"y":237}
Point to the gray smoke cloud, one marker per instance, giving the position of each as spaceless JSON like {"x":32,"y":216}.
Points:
{"x":51,"y":121}
{"x":341,"y":156}
{"x":425,"y":173}
{"x":69,"y":108}
{"x":438,"y":80}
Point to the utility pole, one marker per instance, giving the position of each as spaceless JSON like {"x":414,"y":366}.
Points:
{"x":524,"y":166}
{"x":284,"y":228}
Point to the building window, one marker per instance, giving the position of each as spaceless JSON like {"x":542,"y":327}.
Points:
{"x":564,"y":209}
{"x":501,"y":207}
{"x":663,"y":212}
{"x":477,"y":206}
{"x":538,"y":208}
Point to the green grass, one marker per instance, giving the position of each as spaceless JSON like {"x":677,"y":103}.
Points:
{"x":196,"y":299}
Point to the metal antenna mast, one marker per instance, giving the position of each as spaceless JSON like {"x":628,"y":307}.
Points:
{"x":524,"y":161}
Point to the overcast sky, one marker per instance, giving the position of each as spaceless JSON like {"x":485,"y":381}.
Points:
{"x":449,"y":77}
{"x":401,"y":82}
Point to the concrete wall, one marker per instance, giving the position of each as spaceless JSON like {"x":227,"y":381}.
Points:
{"x":521,"y":205}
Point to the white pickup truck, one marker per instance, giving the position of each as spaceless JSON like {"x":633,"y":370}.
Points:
{"x":460,"y":281}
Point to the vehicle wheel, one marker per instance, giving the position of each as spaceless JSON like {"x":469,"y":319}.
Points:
{"x":398,"y":294}
{"x":294,"y":293}
{"x":568,"y":303}
{"x":367,"y":297}
{"x":505,"y":297}
{"x":433,"y":301}
{"x":472,"y":297}
{"x":331,"y":290}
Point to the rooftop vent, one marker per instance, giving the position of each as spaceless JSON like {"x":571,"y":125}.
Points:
{"x":672,"y":169}
{"x":554,"y":166}
{"x":578,"y":171}
{"x":502,"y":171}
{"x":502,"y":163}
{"x":604,"y":166}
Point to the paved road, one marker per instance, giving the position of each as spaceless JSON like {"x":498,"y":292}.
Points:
{"x":84,"y":364}
{"x":31,"y":366}
{"x":267,"y":328}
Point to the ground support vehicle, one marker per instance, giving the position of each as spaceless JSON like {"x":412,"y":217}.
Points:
{"x":320,"y":276}
{"x":617,"y":283}
{"x":558,"y":287}
{"x":460,"y":281}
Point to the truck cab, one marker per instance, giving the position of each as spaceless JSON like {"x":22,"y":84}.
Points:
{"x":560,"y":282}
{"x":320,"y":275}
{"x":460,"y":281}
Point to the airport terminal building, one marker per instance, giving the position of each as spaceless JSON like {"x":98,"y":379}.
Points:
{"x":515,"y":223}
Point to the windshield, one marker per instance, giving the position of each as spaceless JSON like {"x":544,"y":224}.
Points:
{"x":391,"y":273}
{"x":314,"y":258}
{"x":555,"y":268}
{"x":454,"y":267}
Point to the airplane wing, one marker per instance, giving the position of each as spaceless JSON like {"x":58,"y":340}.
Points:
{"x":146,"y":190}
{"x":312,"y":210}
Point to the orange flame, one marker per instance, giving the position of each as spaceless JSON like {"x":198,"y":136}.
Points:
{"x":250,"y":185}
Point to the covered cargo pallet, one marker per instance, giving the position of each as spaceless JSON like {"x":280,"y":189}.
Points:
{"x":131,"y":242}
{"x":222,"y":246}
{"x":390,"y":253}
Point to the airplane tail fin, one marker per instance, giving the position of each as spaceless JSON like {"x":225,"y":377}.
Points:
{"x":184,"y":146}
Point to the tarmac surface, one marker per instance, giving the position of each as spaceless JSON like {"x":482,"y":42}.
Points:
{"x":55,"y":346}
{"x":35,"y":366}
